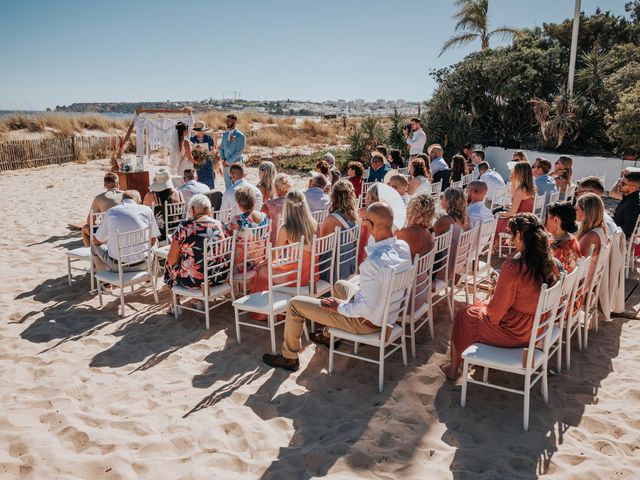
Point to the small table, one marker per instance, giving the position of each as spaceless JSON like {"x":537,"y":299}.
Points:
{"x":134,"y":181}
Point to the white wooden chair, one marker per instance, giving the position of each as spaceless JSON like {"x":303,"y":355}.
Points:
{"x":253,"y":243}
{"x":531,"y":363}
{"x":404,"y":171}
{"x":481,"y":267}
{"x":421,"y":311}
{"x":395,"y":306}
{"x":174,"y":214}
{"x":554,"y":197}
{"x":217,"y":282}
{"x":130,"y":247}
{"x":466,"y":180}
{"x":463,"y":264}
{"x":573,"y":323}
{"x":83,"y":254}
{"x":499,"y":197}
{"x":441,"y":284}
{"x":570,"y":193}
{"x":365,"y":174}
{"x":284,"y":266}
{"x":318,"y":216}
{"x":589,"y":314}
{"x":459,"y":184}
{"x":223,"y":216}
{"x":568,"y":288}
{"x":434,"y":189}
{"x":347,"y":248}
{"x":538,"y":207}
{"x":632,"y":243}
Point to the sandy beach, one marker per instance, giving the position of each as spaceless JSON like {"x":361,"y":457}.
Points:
{"x":86,"y":394}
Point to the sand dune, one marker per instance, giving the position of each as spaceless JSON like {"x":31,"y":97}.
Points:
{"x":87,"y":394}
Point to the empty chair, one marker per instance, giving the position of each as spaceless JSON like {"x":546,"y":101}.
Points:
{"x":421,"y":312}
{"x":83,"y":254}
{"x":391,"y":336}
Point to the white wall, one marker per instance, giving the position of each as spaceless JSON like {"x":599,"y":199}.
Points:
{"x":610,"y":168}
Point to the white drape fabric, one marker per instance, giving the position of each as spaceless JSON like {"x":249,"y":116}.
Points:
{"x":611,"y":294}
{"x":157,"y":131}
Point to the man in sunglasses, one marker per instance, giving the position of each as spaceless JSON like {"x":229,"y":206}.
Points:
{"x":627,"y":211}
{"x":355,"y":308}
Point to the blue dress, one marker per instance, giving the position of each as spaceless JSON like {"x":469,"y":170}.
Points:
{"x":205,"y":171}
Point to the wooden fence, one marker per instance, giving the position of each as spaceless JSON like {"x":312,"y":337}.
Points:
{"x":18,"y":154}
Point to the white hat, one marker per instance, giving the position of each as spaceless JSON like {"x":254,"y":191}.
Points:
{"x":331,"y":160}
{"x":161,"y":180}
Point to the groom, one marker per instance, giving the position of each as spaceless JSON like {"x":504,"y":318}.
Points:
{"x":231,"y":148}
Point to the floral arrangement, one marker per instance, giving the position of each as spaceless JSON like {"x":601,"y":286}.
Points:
{"x":200,"y":155}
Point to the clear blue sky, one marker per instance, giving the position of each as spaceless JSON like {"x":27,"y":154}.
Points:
{"x":60,"y":52}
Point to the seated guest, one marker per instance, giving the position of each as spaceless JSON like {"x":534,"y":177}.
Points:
{"x":266,"y":173}
{"x":519,"y":156}
{"x":334,"y":172}
{"x":420,"y":214}
{"x":104,"y":201}
{"x":561,"y":224}
{"x":274,"y":206}
{"x":506,"y":320}
{"x":627,"y":211}
{"x":439,"y":168}
{"x":523,"y":192}
{"x":477,"y":212}
{"x":594,"y":185}
{"x":563,"y":166}
{"x":562,"y":182}
{"x":491,"y":178}
{"x":454,"y":204}
{"x":191,"y":185}
{"x":185,"y":262}
{"x":161,"y":192}
{"x":382,"y":150}
{"x":356,"y":309}
{"x":378,"y":168}
{"x":395,"y":159}
{"x":236,"y":174}
{"x":458,"y":168}
{"x":545,"y":185}
{"x":400,"y":184}
{"x":592,"y":234}
{"x":355,"y":170}
{"x":126,"y":217}
{"x":323,"y":168}
{"x":316,"y":194}
{"x":477,"y":157}
{"x":417,"y":175}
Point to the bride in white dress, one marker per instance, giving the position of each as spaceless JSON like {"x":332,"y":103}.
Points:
{"x":180,"y":158}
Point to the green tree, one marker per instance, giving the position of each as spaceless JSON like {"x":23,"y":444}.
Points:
{"x":368,"y":135}
{"x":473,"y":23}
{"x":395,"y":137}
{"x":624,"y":122}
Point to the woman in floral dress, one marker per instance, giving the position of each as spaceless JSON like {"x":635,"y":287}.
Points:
{"x":561,"y":224}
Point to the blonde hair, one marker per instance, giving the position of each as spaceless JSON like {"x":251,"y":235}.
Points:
{"x":421,"y":210}
{"x":593,"y":209}
{"x":343,"y":199}
{"x":245,"y":198}
{"x":372,"y":193}
{"x":282,"y":183}
{"x":456,"y":204}
{"x":400,"y":179}
{"x":523,"y":178}
{"x":297,"y":218}
{"x":267,"y":181}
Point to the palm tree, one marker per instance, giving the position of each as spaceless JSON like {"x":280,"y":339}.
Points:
{"x":473,"y":22}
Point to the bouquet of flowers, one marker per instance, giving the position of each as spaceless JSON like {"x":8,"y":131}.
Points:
{"x":200,"y":154}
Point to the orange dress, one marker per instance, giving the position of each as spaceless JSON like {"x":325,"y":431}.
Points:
{"x":506,"y":320}
{"x":567,"y":252}
{"x":503,"y":223}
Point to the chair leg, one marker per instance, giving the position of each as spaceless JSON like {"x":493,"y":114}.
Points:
{"x":544,"y":385}
{"x":99,"y":285}
{"x":585,"y":330}
{"x":451,"y":304}
{"x":121,"y":301}
{"x":355,"y":348}
{"x":306,"y":330}
{"x":92,"y":278}
{"x":176,"y":308}
{"x":404,"y":349}
{"x":237,"y":325}
{"x":331,"y":348}
{"x":153,"y":290}
{"x":485,"y":375}
{"x":431,"y":320}
{"x":525,"y":413}
{"x":567,"y":349}
{"x":412,"y":330}
{"x":463,"y":395}
{"x":69,"y":271}
{"x":381,"y":370}
{"x":272,"y":329}
{"x":559,"y":355}
{"x":206,"y":314}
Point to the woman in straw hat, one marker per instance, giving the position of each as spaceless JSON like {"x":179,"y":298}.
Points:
{"x":160,"y":193}
{"x":200,"y":139}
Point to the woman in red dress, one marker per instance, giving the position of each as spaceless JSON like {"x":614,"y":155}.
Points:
{"x":355,"y":170}
{"x":523,"y":193}
{"x":506,"y":320}
{"x":561,"y":224}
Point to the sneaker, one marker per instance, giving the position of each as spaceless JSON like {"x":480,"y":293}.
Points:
{"x":278,"y":361}
{"x":320,"y":338}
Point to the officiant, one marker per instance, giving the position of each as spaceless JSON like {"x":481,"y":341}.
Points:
{"x":200,"y":139}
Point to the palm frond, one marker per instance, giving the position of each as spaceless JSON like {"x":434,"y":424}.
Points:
{"x":472,"y":15}
{"x":458,"y":40}
{"x":505,"y":33}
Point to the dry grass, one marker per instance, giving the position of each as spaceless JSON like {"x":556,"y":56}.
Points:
{"x":61,"y":124}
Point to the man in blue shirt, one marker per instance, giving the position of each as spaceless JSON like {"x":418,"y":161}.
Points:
{"x":545,"y":185}
{"x":378,"y":168}
{"x":231,"y":147}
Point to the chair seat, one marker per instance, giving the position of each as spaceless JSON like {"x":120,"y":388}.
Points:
{"x":237,"y":277}
{"x":162,"y":252}
{"x":509,"y":359}
{"x":81,"y":253}
{"x":214,"y":292}
{"x":321,"y":286}
{"x":259,"y":302}
{"x":127,"y":277}
{"x":369,"y":339}
{"x":555,"y":334}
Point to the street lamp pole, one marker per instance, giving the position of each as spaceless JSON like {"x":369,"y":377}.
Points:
{"x":574,"y":47}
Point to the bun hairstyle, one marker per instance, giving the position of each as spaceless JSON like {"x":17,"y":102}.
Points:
{"x":536,"y":259}
{"x":567,"y":215}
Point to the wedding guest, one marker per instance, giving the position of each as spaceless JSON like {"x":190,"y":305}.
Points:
{"x":316,"y":194}
{"x":401,"y":185}
{"x":335,"y":172}
{"x":627,"y":211}
{"x":191,"y":185}
{"x":378,"y":168}
{"x":236,"y":172}
{"x":417,"y":174}
{"x":415,"y":137}
{"x":273,"y":207}
{"x":395,"y":159}
{"x":562,"y":182}
{"x":594,"y":185}
{"x":420,"y":214}
{"x":592,"y":234}
{"x":103,"y":201}
{"x":491,"y":178}
{"x":561,"y":224}
{"x":506,"y":320}
{"x":355,"y":308}
{"x":205,"y":171}
{"x":477,"y":157}
{"x":322,"y":167}
{"x":563,"y":166}
{"x":161,"y":192}
{"x":231,"y":148}
{"x":477,"y":212}
{"x":439,"y":168}
{"x":545,"y":185}
{"x":355,"y":170}
{"x":523,"y":192}
{"x":266,"y":174}
{"x":454,"y":203}
{"x":519,"y":156}
{"x":458,"y":168}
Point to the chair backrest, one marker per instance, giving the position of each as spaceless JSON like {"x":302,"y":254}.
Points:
{"x":323,"y":258}
{"x":365,"y":174}
{"x":466,"y":179}
{"x":570,"y":193}
{"x":403,"y":171}
{"x":538,"y":207}
{"x":318,"y":216}
{"x":442,"y":250}
{"x":174,"y":214}
{"x":422,"y":282}
{"x":499,"y":197}
{"x":95,"y":219}
{"x":544,"y":318}
{"x":459,"y":184}
{"x":435,"y":188}
{"x":223,"y":216}
{"x":594,"y":287}
{"x":348,"y":245}
{"x":568,"y":287}
{"x":464,"y":253}
{"x":486,"y":236}
{"x":133,"y":247}
{"x":397,"y":299}
{"x":218,"y":261}
{"x":553,"y":197}
{"x":254,"y":240}
{"x":366,"y":185}
{"x":580,"y":288}
{"x":285,"y":266}
{"x":632,"y":242}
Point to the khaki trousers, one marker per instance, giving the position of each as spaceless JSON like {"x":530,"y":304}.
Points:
{"x":303,"y":308}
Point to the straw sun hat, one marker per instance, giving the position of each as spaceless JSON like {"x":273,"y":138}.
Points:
{"x":161,"y":180}
{"x":200,"y":126}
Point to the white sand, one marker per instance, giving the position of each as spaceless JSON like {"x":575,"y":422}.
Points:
{"x":86,"y":394}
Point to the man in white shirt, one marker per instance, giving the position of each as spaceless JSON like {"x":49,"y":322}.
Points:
{"x":236,"y":172}
{"x":316,"y":196}
{"x":594,"y":185}
{"x":191,"y":185}
{"x":126,"y":217}
{"x":477,"y":157}
{"x":491,"y":178}
{"x":416,"y":139}
{"x":477,"y":212}
{"x":357,"y":309}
